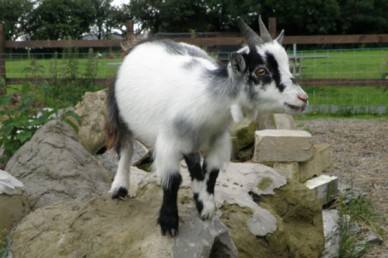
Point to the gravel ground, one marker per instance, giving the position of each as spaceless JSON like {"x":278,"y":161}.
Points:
{"x":360,"y":159}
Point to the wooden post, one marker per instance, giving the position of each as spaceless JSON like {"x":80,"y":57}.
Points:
{"x":3,"y":89}
{"x":272,"y":26}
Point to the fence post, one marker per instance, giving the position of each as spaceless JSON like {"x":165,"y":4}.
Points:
{"x":3,"y":89}
{"x":272,"y":26}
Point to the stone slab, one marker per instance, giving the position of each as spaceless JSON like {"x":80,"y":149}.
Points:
{"x":325,"y":187}
{"x":282,"y":146}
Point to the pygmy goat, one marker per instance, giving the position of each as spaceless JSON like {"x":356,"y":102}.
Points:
{"x":177,"y":99}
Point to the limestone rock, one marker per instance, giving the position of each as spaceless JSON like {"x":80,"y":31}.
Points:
{"x":243,"y":139}
{"x":91,"y":111}
{"x":288,"y":169}
{"x":266,"y":217}
{"x":282,"y":146}
{"x":53,"y":166}
{"x":13,"y":209}
{"x":331,"y":229}
{"x":109,"y":228}
{"x":321,"y":160}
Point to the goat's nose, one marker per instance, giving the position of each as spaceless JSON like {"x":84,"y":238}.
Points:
{"x":303,"y":97}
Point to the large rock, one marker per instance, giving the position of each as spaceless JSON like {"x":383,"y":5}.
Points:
{"x":265,"y":215}
{"x":243,"y":138}
{"x":102,"y":227}
{"x":53,"y":166}
{"x":331,"y":227}
{"x":13,"y":201}
{"x":91,"y":111}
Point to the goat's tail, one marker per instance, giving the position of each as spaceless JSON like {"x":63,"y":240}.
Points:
{"x":116,"y":130}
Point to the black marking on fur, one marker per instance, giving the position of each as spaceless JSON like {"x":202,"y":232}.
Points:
{"x":210,"y":184}
{"x":274,"y":68}
{"x":193,"y":161}
{"x":121,"y":194}
{"x":117,"y":131}
{"x":168,"y":214}
{"x":198,"y":203}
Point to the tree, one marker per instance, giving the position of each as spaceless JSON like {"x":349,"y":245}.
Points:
{"x":367,"y":16}
{"x":59,"y":19}
{"x":13,"y":14}
{"x":103,"y":17}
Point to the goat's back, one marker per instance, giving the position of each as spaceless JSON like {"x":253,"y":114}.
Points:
{"x":158,"y":81}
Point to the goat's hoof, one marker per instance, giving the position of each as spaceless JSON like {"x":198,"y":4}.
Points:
{"x":121,"y":194}
{"x":168,"y":227}
{"x":208,"y":210}
{"x":168,"y":224}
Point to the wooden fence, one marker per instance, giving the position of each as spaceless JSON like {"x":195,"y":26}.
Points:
{"x":202,"y":42}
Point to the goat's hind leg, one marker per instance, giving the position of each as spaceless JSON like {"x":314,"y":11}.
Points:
{"x":120,"y":185}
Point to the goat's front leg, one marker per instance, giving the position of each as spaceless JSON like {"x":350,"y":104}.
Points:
{"x":204,"y":177}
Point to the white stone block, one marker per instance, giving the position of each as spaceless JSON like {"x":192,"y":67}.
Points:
{"x":325,"y":187}
{"x":282,"y":146}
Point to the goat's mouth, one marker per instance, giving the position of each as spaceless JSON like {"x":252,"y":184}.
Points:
{"x":294,"y":108}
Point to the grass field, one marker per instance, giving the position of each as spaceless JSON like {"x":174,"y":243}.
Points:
{"x":345,"y":64}
{"x":336,"y":64}
{"x":47,"y":68}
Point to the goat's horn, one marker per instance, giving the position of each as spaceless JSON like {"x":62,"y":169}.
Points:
{"x":250,"y":36}
{"x":264,"y":34}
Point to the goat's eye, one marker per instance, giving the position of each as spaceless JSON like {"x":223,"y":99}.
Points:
{"x":261,"y":72}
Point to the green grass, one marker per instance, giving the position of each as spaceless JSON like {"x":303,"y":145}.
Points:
{"x":347,"y":96}
{"x":361,"y":211}
{"x":106,"y":68}
{"x":345,"y":64}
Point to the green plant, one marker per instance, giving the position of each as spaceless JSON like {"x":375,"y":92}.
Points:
{"x":20,"y":120}
{"x":3,"y":241}
{"x":355,"y":209}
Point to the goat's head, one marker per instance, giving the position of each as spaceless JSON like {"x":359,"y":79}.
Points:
{"x":265,"y":69}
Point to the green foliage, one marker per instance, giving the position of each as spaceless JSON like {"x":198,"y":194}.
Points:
{"x":20,"y":120}
{"x":355,"y":209}
{"x":13,"y":14}
{"x":3,"y":241}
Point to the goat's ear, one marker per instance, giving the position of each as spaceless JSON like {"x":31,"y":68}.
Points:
{"x":279,"y":38}
{"x":238,"y":63}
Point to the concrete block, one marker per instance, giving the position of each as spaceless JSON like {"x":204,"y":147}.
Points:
{"x":282,"y":146}
{"x":284,"y":121}
{"x":325,"y":187}
{"x":321,"y":160}
{"x":290,"y":170}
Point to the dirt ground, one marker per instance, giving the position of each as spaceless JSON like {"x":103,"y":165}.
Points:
{"x":360,"y":159}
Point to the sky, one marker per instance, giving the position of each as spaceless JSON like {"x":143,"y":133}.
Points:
{"x":119,"y":2}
